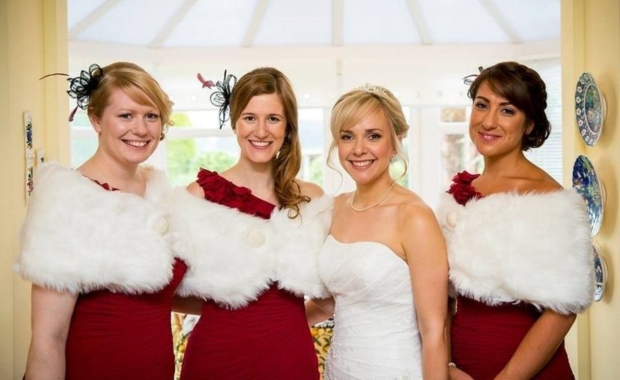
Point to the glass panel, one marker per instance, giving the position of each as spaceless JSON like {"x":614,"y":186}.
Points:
{"x":311,"y":135}
{"x":82,"y":148}
{"x":397,"y":167}
{"x":453,"y":115}
{"x":200,"y":119}
{"x":187,"y":155}
{"x":458,"y":153}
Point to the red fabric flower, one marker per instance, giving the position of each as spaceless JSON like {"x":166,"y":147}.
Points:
{"x":221,"y":191}
{"x":461,"y":188}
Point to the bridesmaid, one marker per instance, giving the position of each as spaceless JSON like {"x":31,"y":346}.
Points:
{"x":95,"y":242}
{"x":518,"y":243}
{"x":254,"y":232}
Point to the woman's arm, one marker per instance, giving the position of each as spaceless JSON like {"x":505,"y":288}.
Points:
{"x":454,"y":372}
{"x":428,"y":265}
{"x":319,"y":310}
{"x":51,"y":318}
{"x":538,"y":346}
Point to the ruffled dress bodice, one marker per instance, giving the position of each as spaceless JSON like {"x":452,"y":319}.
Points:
{"x":375,"y":327}
{"x":265,"y":337}
{"x":499,"y":286}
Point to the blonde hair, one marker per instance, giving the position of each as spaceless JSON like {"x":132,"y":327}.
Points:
{"x":268,"y":80}
{"x":355,"y":105}
{"x":135,"y":82}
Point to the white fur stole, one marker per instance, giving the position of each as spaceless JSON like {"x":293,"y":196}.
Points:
{"x":534,"y":248}
{"x":79,"y":237}
{"x":233,"y":257}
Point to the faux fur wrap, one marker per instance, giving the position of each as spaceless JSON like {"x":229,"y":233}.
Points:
{"x":534,"y":248}
{"x":233,"y":256}
{"x":79,"y":237}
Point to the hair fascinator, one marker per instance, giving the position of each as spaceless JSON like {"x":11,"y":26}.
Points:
{"x":468,"y":80}
{"x":221,"y":95}
{"x":82,"y":86}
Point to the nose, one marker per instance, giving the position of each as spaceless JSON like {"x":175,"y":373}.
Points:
{"x":360,"y":147}
{"x":490,"y":120}
{"x":261,"y":129}
{"x":139,"y":127}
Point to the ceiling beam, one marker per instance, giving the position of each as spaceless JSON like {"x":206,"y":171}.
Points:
{"x":91,"y":18}
{"x":418,"y":22}
{"x":337,"y":22}
{"x":257,"y":19}
{"x":173,"y":22}
{"x":501,"y":21}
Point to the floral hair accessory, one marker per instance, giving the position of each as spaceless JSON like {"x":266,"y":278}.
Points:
{"x":371,"y":88}
{"x":468,"y":80}
{"x":82,"y":87}
{"x":222,"y":95}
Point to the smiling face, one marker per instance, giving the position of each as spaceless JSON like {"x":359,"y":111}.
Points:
{"x":365,"y":148}
{"x":496,"y":127}
{"x":129,"y":132}
{"x":261,"y":128}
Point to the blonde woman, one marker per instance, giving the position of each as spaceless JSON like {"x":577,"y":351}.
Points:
{"x":384,"y":262}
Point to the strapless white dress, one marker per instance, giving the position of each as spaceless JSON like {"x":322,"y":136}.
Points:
{"x":375,"y":327}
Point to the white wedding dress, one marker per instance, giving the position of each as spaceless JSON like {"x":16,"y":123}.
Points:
{"x":375,"y":327}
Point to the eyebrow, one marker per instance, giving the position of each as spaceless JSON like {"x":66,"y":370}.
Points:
{"x":254,"y":114}
{"x":506,"y":103}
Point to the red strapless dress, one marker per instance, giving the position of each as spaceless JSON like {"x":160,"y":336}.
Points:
{"x":269,"y":338}
{"x":483,"y":337}
{"x":123,"y":336}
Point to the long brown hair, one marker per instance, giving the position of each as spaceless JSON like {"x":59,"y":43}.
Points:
{"x":268,"y":80}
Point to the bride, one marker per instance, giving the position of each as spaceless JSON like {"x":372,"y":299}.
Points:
{"x":384,"y":261}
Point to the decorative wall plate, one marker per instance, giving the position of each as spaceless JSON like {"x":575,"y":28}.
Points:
{"x":590,"y":109}
{"x":600,"y":273}
{"x":587,"y":184}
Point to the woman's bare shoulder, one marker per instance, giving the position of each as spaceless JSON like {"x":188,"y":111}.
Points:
{"x":411,"y":206}
{"x":540,"y":182}
{"x":310,"y":189}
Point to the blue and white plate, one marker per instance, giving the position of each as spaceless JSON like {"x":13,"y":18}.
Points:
{"x":590,"y":109}
{"x":587,"y":184}
{"x":600,"y":273}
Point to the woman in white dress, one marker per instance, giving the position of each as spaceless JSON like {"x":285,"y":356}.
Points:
{"x":384,"y":261}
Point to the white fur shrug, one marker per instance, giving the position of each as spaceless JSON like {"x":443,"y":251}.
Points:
{"x":79,"y":237}
{"x":233,"y":256}
{"x":534,"y":248}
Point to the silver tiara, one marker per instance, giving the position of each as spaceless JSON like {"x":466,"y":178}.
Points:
{"x":371,"y":88}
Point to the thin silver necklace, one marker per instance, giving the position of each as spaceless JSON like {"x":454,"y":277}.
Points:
{"x":373,"y":205}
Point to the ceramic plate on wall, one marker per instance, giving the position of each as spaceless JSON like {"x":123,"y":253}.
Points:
{"x":589,"y":109}
{"x":600,"y":274}
{"x":587,"y":184}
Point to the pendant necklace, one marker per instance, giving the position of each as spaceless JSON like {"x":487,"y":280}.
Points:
{"x":373,"y":205}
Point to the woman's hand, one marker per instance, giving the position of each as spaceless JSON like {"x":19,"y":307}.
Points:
{"x":458,"y":374}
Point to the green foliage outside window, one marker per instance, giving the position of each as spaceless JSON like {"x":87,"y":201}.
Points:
{"x":185,"y":159}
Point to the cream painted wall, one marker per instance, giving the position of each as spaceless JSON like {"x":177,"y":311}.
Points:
{"x":591,"y":43}
{"x":29,"y":35}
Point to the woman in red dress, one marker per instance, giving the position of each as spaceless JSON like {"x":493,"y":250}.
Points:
{"x":253,"y":234}
{"x":518,"y":243}
{"x":96,"y":245}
